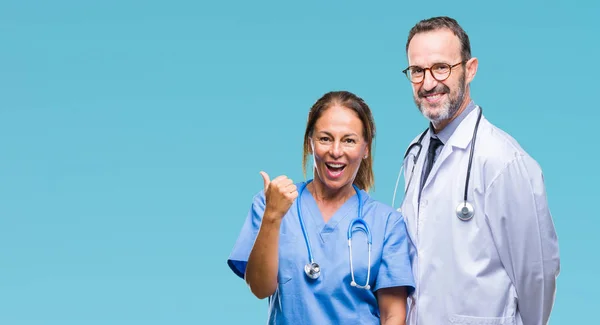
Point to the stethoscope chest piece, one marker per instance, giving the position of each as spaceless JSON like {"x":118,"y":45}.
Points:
{"x":464,"y":211}
{"x":312,"y":270}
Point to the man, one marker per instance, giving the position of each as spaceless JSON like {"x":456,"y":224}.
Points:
{"x":486,"y":247}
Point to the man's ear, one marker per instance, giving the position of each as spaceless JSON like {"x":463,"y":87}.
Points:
{"x":472,"y":65}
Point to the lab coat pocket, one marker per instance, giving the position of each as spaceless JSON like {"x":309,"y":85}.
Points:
{"x":288,"y":252}
{"x":472,"y":320}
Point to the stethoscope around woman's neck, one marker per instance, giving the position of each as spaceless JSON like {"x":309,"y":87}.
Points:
{"x":312,"y":269}
{"x":464,"y":210}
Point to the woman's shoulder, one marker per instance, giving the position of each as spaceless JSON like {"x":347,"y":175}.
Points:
{"x":380,"y":207}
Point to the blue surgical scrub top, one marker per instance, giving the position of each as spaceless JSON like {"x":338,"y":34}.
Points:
{"x":330,"y":299}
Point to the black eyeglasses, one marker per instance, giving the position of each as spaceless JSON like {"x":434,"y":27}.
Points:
{"x":439,"y":72}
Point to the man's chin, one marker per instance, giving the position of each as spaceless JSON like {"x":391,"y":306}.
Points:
{"x":434,"y":115}
{"x":435,"y":120}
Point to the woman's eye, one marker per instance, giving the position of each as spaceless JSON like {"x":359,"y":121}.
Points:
{"x":324,"y":139}
{"x":350,"y":141}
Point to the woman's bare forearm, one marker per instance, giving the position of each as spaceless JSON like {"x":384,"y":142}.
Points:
{"x":394,"y":320}
{"x":263,"y":263}
{"x":392,"y":305}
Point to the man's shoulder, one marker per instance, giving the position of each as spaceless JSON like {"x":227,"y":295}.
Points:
{"x":498,"y":141}
{"x":498,"y":148}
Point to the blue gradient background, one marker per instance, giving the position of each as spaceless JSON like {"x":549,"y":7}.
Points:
{"x":132,"y":134}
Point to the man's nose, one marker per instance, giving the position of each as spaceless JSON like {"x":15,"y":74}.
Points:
{"x":429,"y":81}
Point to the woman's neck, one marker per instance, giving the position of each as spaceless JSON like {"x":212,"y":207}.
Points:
{"x":329,"y":201}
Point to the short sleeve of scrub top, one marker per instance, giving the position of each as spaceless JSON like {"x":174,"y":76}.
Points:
{"x":395,"y":268}
{"x":238,"y":258}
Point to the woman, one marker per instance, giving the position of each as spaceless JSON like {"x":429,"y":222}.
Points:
{"x":272,"y":253}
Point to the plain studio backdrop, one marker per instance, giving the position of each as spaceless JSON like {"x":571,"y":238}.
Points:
{"x":132,"y":134}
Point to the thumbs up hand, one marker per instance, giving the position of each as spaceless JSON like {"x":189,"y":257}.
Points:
{"x":280,"y":194}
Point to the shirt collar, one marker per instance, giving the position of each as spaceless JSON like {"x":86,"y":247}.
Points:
{"x":445,"y":134}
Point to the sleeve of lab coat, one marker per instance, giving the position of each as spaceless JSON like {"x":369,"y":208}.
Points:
{"x":517,"y":212}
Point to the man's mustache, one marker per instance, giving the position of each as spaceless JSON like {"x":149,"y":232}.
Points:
{"x":439,"y":89}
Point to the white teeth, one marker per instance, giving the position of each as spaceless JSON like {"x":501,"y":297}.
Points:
{"x":335,"y":165}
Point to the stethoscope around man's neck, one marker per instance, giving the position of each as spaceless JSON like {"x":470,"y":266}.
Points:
{"x":464,"y":210}
{"x":312,"y":269}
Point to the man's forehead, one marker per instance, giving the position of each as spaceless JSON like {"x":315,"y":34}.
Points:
{"x":434,"y":46}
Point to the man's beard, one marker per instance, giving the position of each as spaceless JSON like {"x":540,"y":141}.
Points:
{"x":445,"y":110}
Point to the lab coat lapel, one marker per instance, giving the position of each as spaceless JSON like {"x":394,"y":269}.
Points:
{"x":459,"y":140}
{"x":411,"y":211}
{"x":444,"y":154}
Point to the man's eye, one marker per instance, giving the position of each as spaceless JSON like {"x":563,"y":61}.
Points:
{"x":441,"y":68}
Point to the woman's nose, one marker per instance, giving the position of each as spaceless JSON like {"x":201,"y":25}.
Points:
{"x":336,"y":149}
